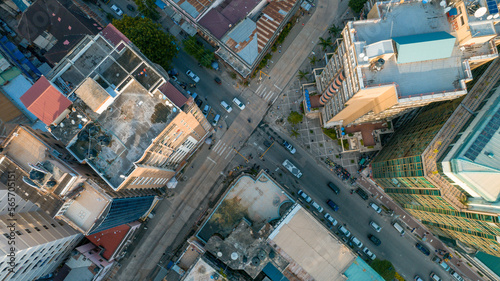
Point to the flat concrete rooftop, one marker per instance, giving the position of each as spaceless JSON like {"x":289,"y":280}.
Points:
{"x":416,"y":78}
{"x":120,"y":135}
{"x":259,"y":201}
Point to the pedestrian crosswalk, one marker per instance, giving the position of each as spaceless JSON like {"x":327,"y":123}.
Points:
{"x":265,"y":93}
{"x":222,"y":149}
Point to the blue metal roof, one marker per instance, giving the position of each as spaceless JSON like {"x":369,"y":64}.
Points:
{"x":360,"y":270}
{"x":422,"y":47}
{"x":308,"y":100}
{"x":273,"y":273}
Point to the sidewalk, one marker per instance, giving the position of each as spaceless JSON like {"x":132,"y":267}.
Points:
{"x":419,"y":231}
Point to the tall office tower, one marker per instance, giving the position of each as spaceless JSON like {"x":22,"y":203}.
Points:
{"x":402,"y":56}
{"x":33,"y":245}
{"x":443,"y":167}
{"x":117,"y":113}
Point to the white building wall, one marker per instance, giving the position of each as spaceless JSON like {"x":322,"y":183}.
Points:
{"x":33,"y":244}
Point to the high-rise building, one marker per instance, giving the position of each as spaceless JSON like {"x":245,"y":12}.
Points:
{"x":117,"y":113}
{"x":33,"y":245}
{"x":402,"y":56}
{"x":52,"y":180}
{"x":443,"y":167}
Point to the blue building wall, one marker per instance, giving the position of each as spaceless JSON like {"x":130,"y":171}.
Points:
{"x":125,"y":210}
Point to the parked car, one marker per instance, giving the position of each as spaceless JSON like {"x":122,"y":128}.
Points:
{"x":117,"y":10}
{"x":369,"y":253}
{"x":216,"y":119}
{"x":418,"y":278}
{"x":226,"y":106}
{"x":131,"y":8}
{"x":289,"y":147}
{"x":206,"y":110}
{"x":374,"y":239}
{"x":442,"y":263}
{"x":193,"y":76}
{"x":376,"y":208}
{"x":456,"y":276}
{"x":317,"y":207}
{"x":356,"y":242}
{"x":238,"y":103}
{"x":217,"y":80}
{"x":423,"y":249}
{"x":305,"y":196}
{"x":332,"y":204}
{"x":334,"y":187}
{"x":375,"y":226}
{"x":435,"y":277}
{"x":362,"y":193}
{"x":331,"y":219}
{"x":344,"y":231}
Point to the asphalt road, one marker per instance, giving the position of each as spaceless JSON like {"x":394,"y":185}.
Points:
{"x":354,"y":211}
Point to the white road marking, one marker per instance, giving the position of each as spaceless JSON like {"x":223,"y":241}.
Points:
{"x":212,"y":160}
{"x":278,"y":87}
{"x":258,"y":88}
{"x":228,"y":153}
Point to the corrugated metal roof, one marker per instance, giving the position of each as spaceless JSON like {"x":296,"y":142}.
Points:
{"x":426,"y":46}
{"x":45,"y":101}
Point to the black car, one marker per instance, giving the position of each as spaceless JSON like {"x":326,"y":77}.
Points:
{"x":374,"y":239}
{"x":130,"y":8}
{"x":423,"y":249}
{"x":217,"y":80}
{"x":362,"y":193}
{"x":334,"y":188}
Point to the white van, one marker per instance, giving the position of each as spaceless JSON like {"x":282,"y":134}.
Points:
{"x":344,"y":231}
{"x":399,"y":228}
{"x":216,"y":119}
{"x":435,"y":277}
{"x":317,"y":207}
{"x":356,"y":242}
{"x":226,"y":106}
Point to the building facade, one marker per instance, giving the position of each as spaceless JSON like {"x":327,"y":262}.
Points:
{"x":442,"y":167}
{"x":384,"y":66}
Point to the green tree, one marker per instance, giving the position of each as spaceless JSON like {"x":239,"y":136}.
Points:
{"x":334,"y":30}
{"x":148,"y":9}
{"x":325,"y":43}
{"x":302,"y":75}
{"x":313,"y":60}
{"x":357,"y":5}
{"x":294,"y":133}
{"x":149,"y":37}
{"x":384,"y":268}
{"x":295,"y":118}
{"x":198,"y":51}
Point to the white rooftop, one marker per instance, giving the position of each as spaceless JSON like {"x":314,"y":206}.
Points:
{"x":373,"y":38}
{"x":86,"y":208}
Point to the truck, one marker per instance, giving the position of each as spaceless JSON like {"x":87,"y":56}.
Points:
{"x":290,"y":167}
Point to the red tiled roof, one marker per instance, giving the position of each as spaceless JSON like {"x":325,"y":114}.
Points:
{"x":114,"y":35}
{"x":45,"y":101}
{"x":173,"y":94}
{"x":109,"y":239}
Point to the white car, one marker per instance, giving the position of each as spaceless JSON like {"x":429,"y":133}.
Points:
{"x":375,"y":226}
{"x":226,"y":106}
{"x":330,"y":219}
{"x":317,"y":207}
{"x":305,"y":196}
{"x":239,"y":104}
{"x":369,"y":253}
{"x":356,"y":242}
{"x":193,"y":76}
{"x":376,"y":208}
{"x":117,"y":10}
{"x":344,"y":231}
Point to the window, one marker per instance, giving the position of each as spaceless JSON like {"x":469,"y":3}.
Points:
{"x":6,"y":235}
{"x":462,"y":20}
{"x":53,"y":225}
{"x":27,"y":230}
{"x":36,"y":228}
{"x":18,"y":232}
{"x":44,"y":226}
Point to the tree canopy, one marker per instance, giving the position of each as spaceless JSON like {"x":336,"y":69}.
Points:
{"x":149,"y":37}
{"x":148,"y":9}
{"x":384,"y":268}
{"x":295,"y":118}
{"x":198,"y":51}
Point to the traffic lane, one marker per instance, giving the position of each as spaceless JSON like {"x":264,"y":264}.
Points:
{"x":206,"y":87}
{"x":355,"y":213}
